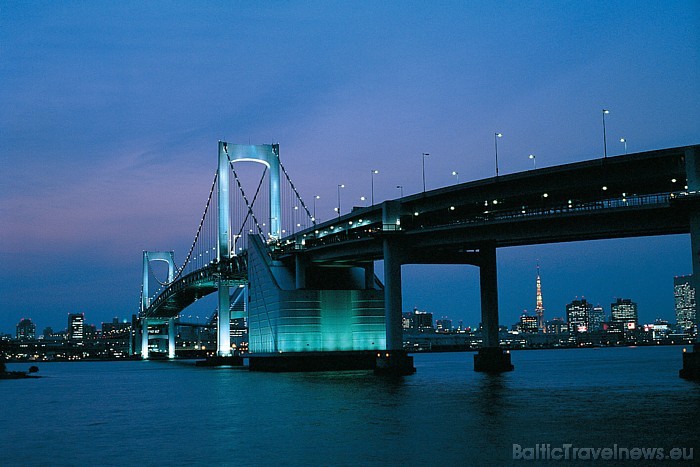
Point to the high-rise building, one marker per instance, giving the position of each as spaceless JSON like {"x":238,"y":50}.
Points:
{"x":76,"y":327}
{"x":418,"y":320}
{"x":444,"y":324}
{"x":578,"y":314}
{"x":557,"y":326}
{"x":26,"y":329}
{"x":624,"y":310}
{"x":597,"y":318}
{"x":684,"y":295}
{"x":539,"y":308}
{"x":528,"y":323}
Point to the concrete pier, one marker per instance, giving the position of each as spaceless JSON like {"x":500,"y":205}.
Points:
{"x":490,"y":358}
{"x":691,"y":364}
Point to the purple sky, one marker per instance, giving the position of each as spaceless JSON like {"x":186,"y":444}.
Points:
{"x":110,"y":113}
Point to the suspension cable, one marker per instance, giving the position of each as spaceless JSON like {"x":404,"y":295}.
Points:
{"x":303,"y":204}
{"x":255,"y":197}
{"x":240,"y":188}
{"x":181,"y":269}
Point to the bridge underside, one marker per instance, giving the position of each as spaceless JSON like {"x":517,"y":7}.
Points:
{"x":190,"y":288}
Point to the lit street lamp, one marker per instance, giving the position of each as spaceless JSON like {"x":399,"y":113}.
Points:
{"x":534,"y":161}
{"x":495,"y":142}
{"x":424,"y":154}
{"x":315,"y":198}
{"x":456,"y":174}
{"x":605,"y":139}
{"x":339,"y":187}
{"x":373,"y":171}
{"x":624,"y":141}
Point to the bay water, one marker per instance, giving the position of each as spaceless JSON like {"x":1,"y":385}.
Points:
{"x":174,"y":413}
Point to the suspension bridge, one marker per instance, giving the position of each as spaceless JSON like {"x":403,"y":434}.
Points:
{"x":309,"y":288}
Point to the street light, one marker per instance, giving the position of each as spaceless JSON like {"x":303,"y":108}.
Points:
{"x":495,"y":142}
{"x":373,"y":171}
{"x":605,"y":139}
{"x":400,"y":187}
{"x":624,"y":141}
{"x":315,"y":198}
{"x":339,"y":187}
{"x":456,"y":174}
{"x":363,"y":199}
{"x":534,"y":161}
{"x":424,"y":154}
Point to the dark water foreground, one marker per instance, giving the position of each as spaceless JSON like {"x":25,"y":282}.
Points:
{"x":160,"y":413}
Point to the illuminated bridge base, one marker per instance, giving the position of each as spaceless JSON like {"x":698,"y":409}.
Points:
{"x":337,"y":322}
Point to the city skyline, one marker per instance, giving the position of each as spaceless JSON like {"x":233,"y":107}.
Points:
{"x":110,"y":117}
{"x":438,"y":315}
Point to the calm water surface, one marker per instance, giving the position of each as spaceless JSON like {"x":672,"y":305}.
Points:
{"x":161,"y":413}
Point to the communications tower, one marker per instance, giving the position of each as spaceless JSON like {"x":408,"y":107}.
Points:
{"x":539,"y":309}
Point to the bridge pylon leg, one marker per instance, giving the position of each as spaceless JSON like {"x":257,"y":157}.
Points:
{"x":144,"y":338}
{"x":171,"y":338}
{"x":394,"y":359}
{"x":490,"y":358}
{"x":224,"y":322}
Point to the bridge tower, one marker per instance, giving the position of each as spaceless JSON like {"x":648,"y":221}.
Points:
{"x":169,"y":258}
{"x":268,"y":155}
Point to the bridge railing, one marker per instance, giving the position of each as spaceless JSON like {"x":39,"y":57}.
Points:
{"x":343,"y":234}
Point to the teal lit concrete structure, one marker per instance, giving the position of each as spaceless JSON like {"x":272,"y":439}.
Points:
{"x":310,"y":317}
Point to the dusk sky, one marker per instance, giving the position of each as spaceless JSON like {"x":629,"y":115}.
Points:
{"x":110,"y":113}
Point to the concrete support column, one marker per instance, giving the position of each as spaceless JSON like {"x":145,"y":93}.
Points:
{"x":692,"y":169}
{"x":691,"y":360}
{"x":224,"y":322}
{"x":393,"y":361}
{"x":491,"y":358}
{"x":488,"y":280}
{"x":393,"y":306}
{"x":144,"y":338}
{"x":171,"y":338}
{"x":300,"y":264}
{"x":369,"y":276}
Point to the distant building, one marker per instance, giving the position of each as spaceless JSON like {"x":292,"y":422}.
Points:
{"x":659,"y":330}
{"x":578,"y":314}
{"x":624,"y":310}
{"x":528,"y":323}
{"x":116,"y":337}
{"x":597,"y":318}
{"x":684,"y":295}
{"x":239,"y":333}
{"x":76,"y":327}
{"x":557,"y":326}
{"x":418,"y":320}
{"x":26,"y":330}
{"x":443,"y":325}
